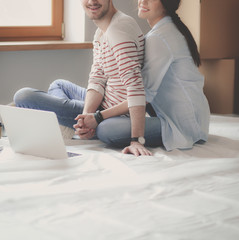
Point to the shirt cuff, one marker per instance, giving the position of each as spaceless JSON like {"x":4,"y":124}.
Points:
{"x":136,"y":101}
{"x":95,"y":87}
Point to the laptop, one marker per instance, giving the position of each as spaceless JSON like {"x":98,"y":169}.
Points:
{"x":34,"y":132}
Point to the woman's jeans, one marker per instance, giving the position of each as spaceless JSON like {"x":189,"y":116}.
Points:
{"x":66,"y":99}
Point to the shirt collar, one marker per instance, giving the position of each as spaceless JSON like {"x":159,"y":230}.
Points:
{"x":161,"y":22}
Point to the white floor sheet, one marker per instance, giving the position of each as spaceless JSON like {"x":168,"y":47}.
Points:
{"x":106,"y":195}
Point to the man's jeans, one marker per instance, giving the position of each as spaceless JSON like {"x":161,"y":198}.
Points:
{"x":66,"y":99}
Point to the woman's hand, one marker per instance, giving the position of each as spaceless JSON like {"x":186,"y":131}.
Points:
{"x":137,"y":149}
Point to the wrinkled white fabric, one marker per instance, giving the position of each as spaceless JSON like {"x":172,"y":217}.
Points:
{"x":105,"y":195}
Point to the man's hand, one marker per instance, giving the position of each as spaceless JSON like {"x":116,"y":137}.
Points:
{"x":82,"y":130}
{"x":93,"y":100}
{"x":137,"y":149}
{"x":88,"y":120}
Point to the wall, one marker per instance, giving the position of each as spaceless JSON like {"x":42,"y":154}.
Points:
{"x":214,"y":25}
{"x":127,"y":6}
{"x":39,"y":68}
{"x":189,"y":12}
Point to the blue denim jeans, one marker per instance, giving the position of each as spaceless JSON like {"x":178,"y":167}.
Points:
{"x":116,"y":131}
{"x":66,"y":99}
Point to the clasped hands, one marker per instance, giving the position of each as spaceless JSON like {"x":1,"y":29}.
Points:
{"x":85,"y":126}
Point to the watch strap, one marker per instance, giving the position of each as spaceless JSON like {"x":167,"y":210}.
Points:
{"x":98,"y":117}
{"x":140,"y":140}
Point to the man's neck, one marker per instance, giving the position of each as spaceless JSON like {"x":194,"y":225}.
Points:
{"x":104,"y":23}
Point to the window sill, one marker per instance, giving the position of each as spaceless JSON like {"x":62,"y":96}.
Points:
{"x":43,"y":45}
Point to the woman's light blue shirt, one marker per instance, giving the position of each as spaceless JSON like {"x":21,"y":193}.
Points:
{"x":174,"y":87}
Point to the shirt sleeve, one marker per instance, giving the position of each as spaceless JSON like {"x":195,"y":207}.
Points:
{"x":126,"y":54}
{"x":158,"y":58}
{"x":127,"y":45}
{"x":97,"y":78}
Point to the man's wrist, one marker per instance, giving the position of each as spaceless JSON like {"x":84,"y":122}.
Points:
{"x":98,"y":116}
{"x":140,"y":140}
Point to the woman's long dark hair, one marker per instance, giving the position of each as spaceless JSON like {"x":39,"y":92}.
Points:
{"x":171,"y":7}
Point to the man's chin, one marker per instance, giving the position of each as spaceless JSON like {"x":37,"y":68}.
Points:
{"x":93,"y":16}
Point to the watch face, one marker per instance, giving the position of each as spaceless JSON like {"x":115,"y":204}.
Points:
{"x":142,"y":140}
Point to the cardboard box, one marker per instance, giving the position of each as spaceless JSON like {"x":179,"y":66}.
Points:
{"x":222,"y":85}
{"x":219,"y":29}
{"x":214,"y":25}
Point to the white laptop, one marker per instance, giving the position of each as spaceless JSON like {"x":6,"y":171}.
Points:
{"x":34,"y":132}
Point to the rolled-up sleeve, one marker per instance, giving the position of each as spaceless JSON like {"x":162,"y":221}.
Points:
{"x":127,"y":57}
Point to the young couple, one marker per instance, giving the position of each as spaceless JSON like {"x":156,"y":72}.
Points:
{"x":124,"y":78}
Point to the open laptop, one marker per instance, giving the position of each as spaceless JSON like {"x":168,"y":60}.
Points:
{"x":34,"y":132}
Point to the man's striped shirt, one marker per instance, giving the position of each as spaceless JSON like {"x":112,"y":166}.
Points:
{"x":118,"y":58}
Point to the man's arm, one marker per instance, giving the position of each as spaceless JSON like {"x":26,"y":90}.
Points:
{"x":94,"y":95}
{"x":89,"y":118}
{"x":137,"y":116}
{"x":92,"y":102}
{"x":129,"y":56}
{"x":130,"y":73}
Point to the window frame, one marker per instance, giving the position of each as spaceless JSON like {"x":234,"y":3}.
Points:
{"x":37,"y":33}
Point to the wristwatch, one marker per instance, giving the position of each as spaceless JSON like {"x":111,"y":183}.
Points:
{"x":141,"y":140}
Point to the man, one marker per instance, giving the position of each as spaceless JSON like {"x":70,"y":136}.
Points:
{"x":115,"y":83}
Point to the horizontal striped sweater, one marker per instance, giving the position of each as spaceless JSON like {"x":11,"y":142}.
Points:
{"x":118,"y":58}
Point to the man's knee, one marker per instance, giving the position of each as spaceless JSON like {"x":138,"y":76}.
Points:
{"x":111,"y":131}
{"x":58,"y":83}
{"x":23,"y":95}
{"x":104,"y":131}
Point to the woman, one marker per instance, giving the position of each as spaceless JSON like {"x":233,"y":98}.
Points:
{"x":173,"y":85}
